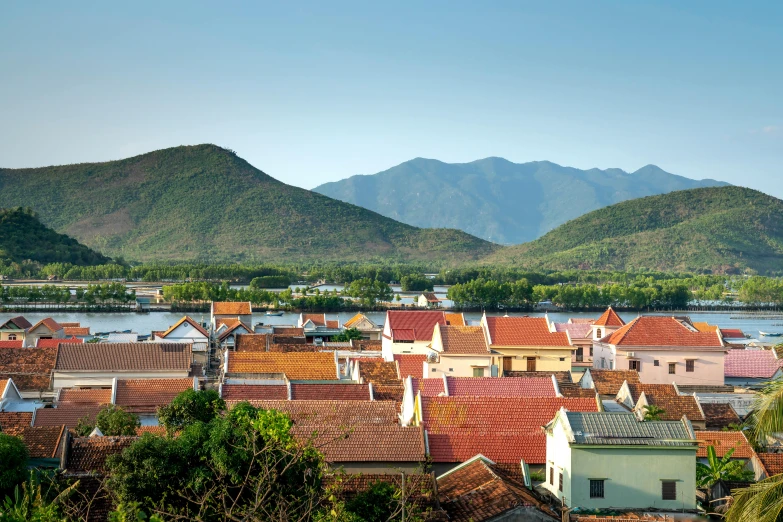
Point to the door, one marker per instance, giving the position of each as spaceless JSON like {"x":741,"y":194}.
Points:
{"x":507,"y":364}
{"x":531,"y":364}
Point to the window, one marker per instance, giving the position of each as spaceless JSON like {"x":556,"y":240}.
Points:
{"x":672,"y":368}
{"x":434,"y":370}
{"x":596,"y":488}
{"x":451,"y":369}
{"x":12,"y":337}
{"x":668,"y":490}
{"x":591,"y":351}
{"x":478,"y":372}
{"x":656,"y":363}
{"x":560,"y":486}
{"x":603,"y":362}
{"x":552,"y":475}
{"x":635,"y":365}
{"x":562,"y":359}
{"x":689,"y":364}
{"x":598,"y":333}
{"x":579,"y":354}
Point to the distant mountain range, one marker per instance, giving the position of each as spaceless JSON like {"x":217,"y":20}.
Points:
{"x":23,"y":237}
{"x":497,"y":200}
{"x":718,"y":230}
{"x":203,"y":203}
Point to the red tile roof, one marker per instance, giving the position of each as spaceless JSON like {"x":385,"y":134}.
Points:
{"x":49,"y":323}
{"x":732,"y":333}
{"x":676,"y":406}
{"x":41,"y":442}
{"x":609,"y":318}
{"x":500,"y":387}
{"x":90,"y":453}
{"x":254,"y":392}
{"x":651,"y":330}
{"x":73,"y":331}
{"x":724,"y":441}
{"x":95,"y":396}
{"x":330,"y":392}
{"x":366,"y":443}
{"x":339,"y":414}
{"x":463,"y":340}
{"x":428,"y":387}
{"x":523,"y":331}
{"x":188,"y":320}
{"x":773,"y":463}
{"x":232,"y":308}
{"x":608,"y":382}
{"x":147,"y":395}
{"x":15,"y":419}
{"x":410,"y":364}
{"x":66,"y":414}
{"x":11,"y":344}
{"x":119,"y":357}
{"x":758,"y":364}
{"x":406,"y":325}
{"x":504,"y":430}
{"x":54,"y":343}
{"x":719,"y":415}
{"x":30,"y":368}
{"x":296,"y":366}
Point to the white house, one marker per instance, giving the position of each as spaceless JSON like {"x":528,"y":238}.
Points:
{"x":186,"y":330}
{"x":409,"y":331}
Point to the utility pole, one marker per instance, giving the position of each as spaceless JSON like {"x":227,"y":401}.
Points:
{"x":403,"y":497}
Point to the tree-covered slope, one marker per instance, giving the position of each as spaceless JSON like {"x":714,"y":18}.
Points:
{"x":496,"y":199}
{"x":23,"y":237}
{"x":203,"y":202}
{"x":721,"y":229}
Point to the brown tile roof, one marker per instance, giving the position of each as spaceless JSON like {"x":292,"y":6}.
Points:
{"x":147,"y":395}
{"x":410,"y":364}
{"x":154,"y":430}
{"x":561,"y":377}
{"x":773,"y":463}
{"x":235,"y":308}
{"x":67,"y":415}
{"x":234,"y":330}
{"x":576,"y":391}
{"x":188,"y":320}
{"x":330,"y":392}
{"x":367,"y":345}
{"x":294,"y":348}
{"x":609,"y":318}
{"x":296,"y":366}
{"x":49,"y":323}
{"x":378,"y":372}
{"x":70,"y":325}
{"x":250,"y":342}
{"x":30,"y":368}
{"x":19,"y":322}
{"x":287,"y":330}
{"x":41,"y":442}
{"x":723,"y":441}
{"x":651,"y":390}
{"x":608,"y":382}
{"x":388,"y":392}
{"x":455,"y":319}
{"x":481,"y":491}
{"x":334,"y":413}
{"x":124,"y":357}
{"x":334,"y":324}
{"x":414,"y":325}
{"x":463,"y":340}
{"x":523,"y":331}
{"x":317,"y":319}
{"x":254,"y":392}
{"x":421,"y":487}
{"x":719,"y":415}
{"x":650,"y":330}
{"x":76,"y":330}
{"x":90,"y":453}
{"x":431,"y":297}
{"x":288,"y":339}
{"x":366,"y":443}
{"x":15,"y":419}
{"x":84,"y":396}
{"x":677,"y":406}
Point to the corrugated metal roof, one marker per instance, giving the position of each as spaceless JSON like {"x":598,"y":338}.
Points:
{"x":623,"y":429}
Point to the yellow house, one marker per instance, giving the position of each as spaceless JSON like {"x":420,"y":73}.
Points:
{"x":14,"y":329}
{"x":461,"y":351}
{"x":527,"y":344}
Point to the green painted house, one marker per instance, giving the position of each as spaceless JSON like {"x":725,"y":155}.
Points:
{"x":609,"y":460}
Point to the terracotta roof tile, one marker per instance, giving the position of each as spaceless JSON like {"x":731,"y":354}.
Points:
{"x":463,"y":340}
{"x":773,"y":463}
{"x":366,"y":443}
{"x":294,"y":348}
{"x":732,"y":333}
{"x":254,"y":392}
{"x":651,"y":330}
{"x":388,"y":392}
{"x":70,"y":324}
{"x":147,"y":395}
{"x":724,"y":441}
{"x":608,"y":382}
{"x":95,"y":396}
{"x":704,"y":326}
{"x":154,"y":430}
{"x":410,"y":364}
{"x":185,"y":319}
{"x":677,"y":406}
{"x":422,"y":486}
{"x":250,"y":342}
{"x":287,"y":330}
{"x":19,"y":323}
{"x":288,"y":339}
{"x":235,"y":329}
{"x":378,"y":372}
{"x":719,"y":415}
{"x":333,"y":413}
{"x":90,"y":453}
{"x":523,"y":331}
{"x":55,"y":343}
{"x":330,"y":392}
{"x":333,"y":324}
{"x":15,"y":419}
{"x":317,"y":319}
{"x":366,"y":345}
{"x":455,"y":319}
{"x":500,"y":387}
{"x":609,"y":318}
{"x":11,"y":344}
{"x":296,"y":366}
{"x":30,"y":368}
{"x":651,"y":390}
{"x":575,"y":330}
{"x":232,"y":308}
{"x":409,"y":325}
{"x":431,"y":297}
{"x":49,"y":323}
{"x":563,"y":377}
{"x":41,"y":442}
{"x":759,"y":364}
{"x":67,"y":415}
{"x":71,"y":331}
{"x":504,"y":430}
{"x":124,"y":357}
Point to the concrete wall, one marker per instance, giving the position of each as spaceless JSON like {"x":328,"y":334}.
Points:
{"x":547,"y":359}
{"x":458,"y":366}
{"x":70,"y":379}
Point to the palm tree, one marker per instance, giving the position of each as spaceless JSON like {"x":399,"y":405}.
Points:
{"x":653,"y":412}
{"x":721,"y":469}
{"x":763,"y":501}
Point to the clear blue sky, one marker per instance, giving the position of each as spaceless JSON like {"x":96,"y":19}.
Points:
{"x":317,"y":91}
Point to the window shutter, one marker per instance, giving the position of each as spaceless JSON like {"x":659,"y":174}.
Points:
{"x":668,"y":490}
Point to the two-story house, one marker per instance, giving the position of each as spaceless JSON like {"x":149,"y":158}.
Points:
{"x":409,"y":332}
{"x":527,"y":344}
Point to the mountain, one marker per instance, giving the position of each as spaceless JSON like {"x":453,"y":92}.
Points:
{"x":720,"y":229}
{"x":204,"y":203}
{"x":23,"y":237}
{"x":497,"y":200}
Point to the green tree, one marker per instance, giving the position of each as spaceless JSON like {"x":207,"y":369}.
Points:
{"x":113,"y":421}
{"x":189,"y":407}
{"x":721,"y":469}
{"x":13,"y":462}
{"x":369,"y":291}
{"x":347,"y":335}
{"x":653,"y":412}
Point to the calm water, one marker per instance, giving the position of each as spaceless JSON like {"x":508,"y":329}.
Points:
{"x":145,"y":323}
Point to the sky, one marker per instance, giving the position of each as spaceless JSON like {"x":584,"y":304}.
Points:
{"x":311,"y":92}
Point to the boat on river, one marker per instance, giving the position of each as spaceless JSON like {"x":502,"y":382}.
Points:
{"x":274,"y":314}
{"x":771,"y":334}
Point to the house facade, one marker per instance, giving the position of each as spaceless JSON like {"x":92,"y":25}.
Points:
{"x":409,"y":332}
{"x":370,"y":331}
{"x":44,"y":329}
{"x":243,"y":311}
{"x":527,"y":344}
{"x":14,"y":329}
{"x":461,"y":351}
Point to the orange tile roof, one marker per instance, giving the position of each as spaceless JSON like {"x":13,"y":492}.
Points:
{"x":232,"y":308}
{"x":147,"y":395}
{"x":191,"y":322}
{"x":11,"y":344}
{"x":54,"y":343}
{"x":650,"y":330}
{"x":463,"y":340}
{"x":608,"y":382}
{"x":68,"y":415}
{"x":773,"y":463}
{"x":378,"y":372}
{"x":85,"y":396}
{"x":250,"y":342}
{"x":651,"y":390}
{"x":410,"y":364}
{"x":41,"y":442}
{"x":29,"y":368}
{"x":76,"y":330}
{"x":705,"y":327}
{"x":609,"y":318}
{"x":333,"y":413}
{"x":723,"y":441}
{"x":676,"y":406}
{"x":333,"y":324}
{"x":523,"y":331}
{"x":296,"y":366}
{"x":70,"y":325}
{"x":15,"y":419}
{"x":155,"y":430}
{"x":49,"y":323}
{"x":366,"y":443}
{"x":356,"y":319}
{"x":455,"y":319}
